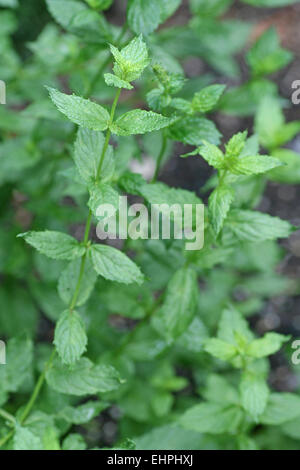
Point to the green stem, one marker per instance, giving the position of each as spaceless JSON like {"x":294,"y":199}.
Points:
{"x":37,"y":389}
{"x":160,"y":158}
{"x":6,"y":438}
{"x":7,"y":416}
{"x":108,"y":133}
{"x":89,"y":219}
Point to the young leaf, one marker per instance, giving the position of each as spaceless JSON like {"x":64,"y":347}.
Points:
{"x":236,"y":144}
{"x":269,"y":344}
{"x":70,"y":337}
{"x":56,"y":245}
{"x":113,"y":80}
{"x":206,"y":99}
{"x":68,"y":280}
{"x":254,"y":394}
{"x":219,"y":204}
{"x":114,"y":265}
{"x":212,"y":155}
{"x":83,"y":112}
{"x":139,"y":121}
{"x":83,"y":378}
{"x":180,"y":304}
{"x":266,"y":56}
{"x":270,"y":125}
{"x":289,"y":173}
{"x":131,"y":60}
{"x":253,"y":165}
{"x":231,"y":323}
{"x":87,"y":154}
{"x":220,"y":349}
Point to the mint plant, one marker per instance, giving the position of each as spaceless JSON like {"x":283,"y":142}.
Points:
{"x":142,"y":326}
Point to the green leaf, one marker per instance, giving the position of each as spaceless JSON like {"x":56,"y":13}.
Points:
{"x":236,"y":144}
{"x":206,"y":99}
{"x":56,"y":245}
{"x":99,"y":4}
{"x":194,"y":336}
{"x":213,"y":418}
{"x":131,"y":60}
{"x":24,"y":439}
{"x":255,"y":226}
{"x":139,"y":121}
{"x":281,"y":407}
{"x":254,"y":394}
{"x":269,"y":344}
{"x":113,"y":80}
{"x":19,"y":357}
{"x":64,"y":10}
{"x":144,"y":16}
{"x":232,"y":323}
{"x":266,"y":56}
{"x":83,"y":112}
{"x":91,"y":27}
{"x":169,"y":437}
{"x":270,"y":3}
{"x":83,"y":413}
{"x":83,"y":378}
{"x":270,"y":126}
{"x":253,"y":165}
{"x":102,"y":193}
{"x":131,"y":183}
{"x":290,"y":171}
{"x":219,"y":204}
{"x":70,"y":337}
{"x":245,"y":99}
{"x":9,"y":3}
{"x":213,"y":8}
{"x":220,"y":349}
{"x":74,"y":442}
{"x":68,"y":280}
{"x":193,"y":130}
{"x":219,"y":390}
{"x":212,"y":154}
{"x":87,"y":154}
{"x":180,"y":304}
{"x":114,"y":265}
{"x":163,"y":197}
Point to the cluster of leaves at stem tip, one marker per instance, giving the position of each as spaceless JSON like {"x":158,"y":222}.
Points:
{"x":71,"y":146}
